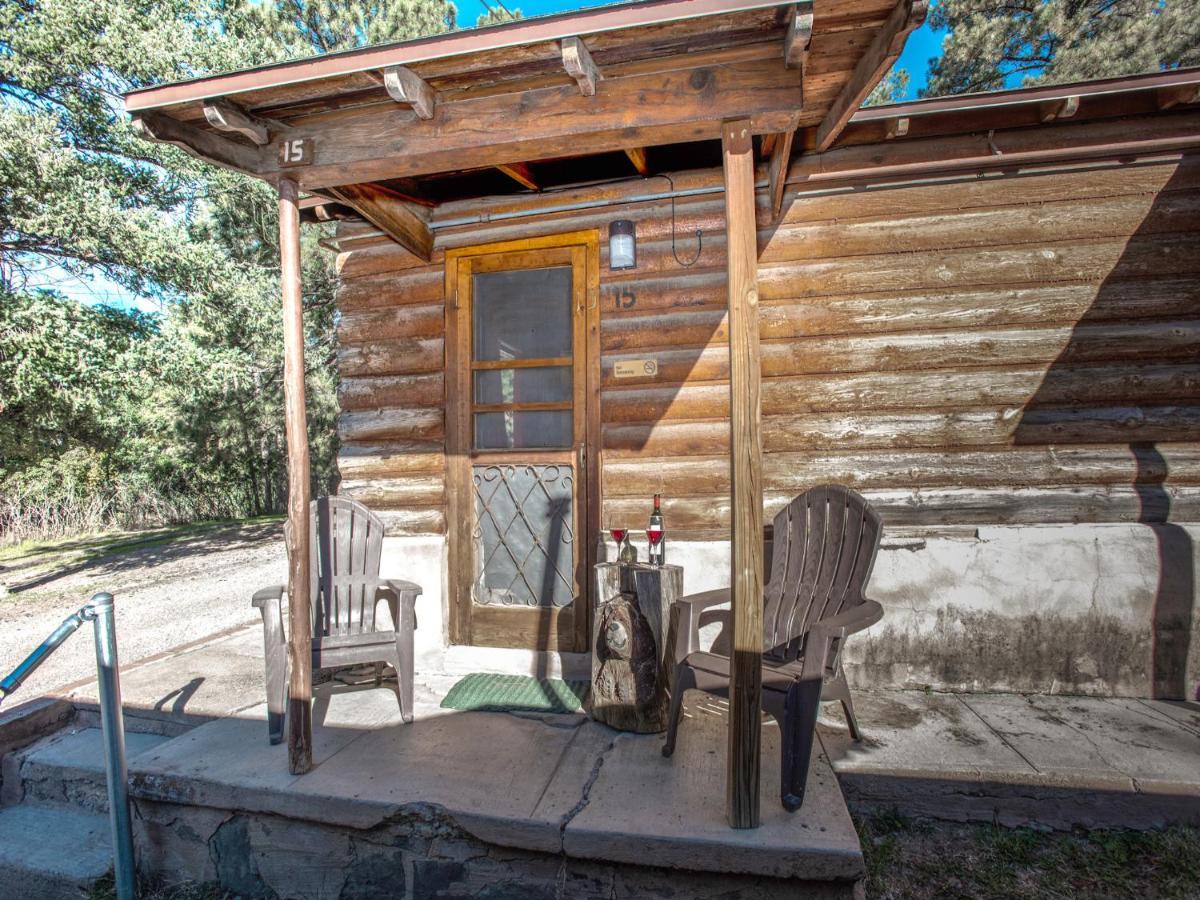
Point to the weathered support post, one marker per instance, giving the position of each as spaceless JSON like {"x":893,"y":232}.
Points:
{"x":745,"y":449}
{"x":296,"y":425}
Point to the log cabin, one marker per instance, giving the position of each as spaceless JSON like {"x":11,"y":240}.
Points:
{"x":982,"y":312}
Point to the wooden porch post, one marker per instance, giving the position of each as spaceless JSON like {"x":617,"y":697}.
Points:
{"x":299,"y":714}
{"x":745,"y":459}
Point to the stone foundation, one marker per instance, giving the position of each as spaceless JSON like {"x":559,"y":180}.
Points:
{"x":420,"y":854}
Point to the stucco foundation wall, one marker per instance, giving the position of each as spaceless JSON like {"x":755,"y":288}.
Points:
{"x":1102,"y":609}
{"x":1105,"y":609}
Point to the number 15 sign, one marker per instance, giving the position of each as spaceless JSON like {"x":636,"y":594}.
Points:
{"x":296,"y":152}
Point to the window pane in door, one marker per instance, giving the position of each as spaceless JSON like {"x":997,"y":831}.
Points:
{"x":536,"y":384}
{"x":522,"y":314}
{"x":543,"y":429}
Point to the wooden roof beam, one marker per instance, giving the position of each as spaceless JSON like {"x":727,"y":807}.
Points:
{"x":637,"y":156}
{"x":874,"y":64}
{"x":406,"y":86}
{"x":1059,"y":109}
{"x":405,"y":224}
{"x":203,"y":145}
{"x":781,"y":154}
{"x":639,"y":110}
{"x":580,"y":66}
{"x":1177,"y":96}
{"x":897,"y":127}
{"x":799,"y":36}
{"x":225,"y":115}
{"x":521,"y":174}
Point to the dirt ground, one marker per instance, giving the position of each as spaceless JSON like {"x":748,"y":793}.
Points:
{"x":171,"y":586}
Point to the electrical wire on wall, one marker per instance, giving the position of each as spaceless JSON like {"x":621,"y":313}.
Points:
{"x":699,"y":234}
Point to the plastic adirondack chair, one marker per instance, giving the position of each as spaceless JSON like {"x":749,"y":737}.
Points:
{"x":347,"y":539}
{"x":825,"y":543}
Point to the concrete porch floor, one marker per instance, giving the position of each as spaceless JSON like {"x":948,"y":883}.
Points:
{"x":570,"y":789}
{"x":991,"y":757}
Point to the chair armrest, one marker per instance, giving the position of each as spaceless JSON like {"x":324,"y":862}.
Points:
{"x":267,"y":594}
{"x":856,"y":618}
{"x":401,"y":597}
{"x":687,"y":625}
{"x":825,"y":638}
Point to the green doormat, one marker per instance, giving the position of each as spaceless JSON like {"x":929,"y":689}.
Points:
{"x":506,"y":693}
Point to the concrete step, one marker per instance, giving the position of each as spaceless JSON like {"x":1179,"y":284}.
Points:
{"x":67,"y":769}
{"x":51,"y":852}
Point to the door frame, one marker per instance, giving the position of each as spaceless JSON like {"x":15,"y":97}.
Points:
{"x":501,"y":627}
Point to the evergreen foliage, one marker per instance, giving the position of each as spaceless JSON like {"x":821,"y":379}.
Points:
{"x":994,"y":42}
{"x":122,"y":418}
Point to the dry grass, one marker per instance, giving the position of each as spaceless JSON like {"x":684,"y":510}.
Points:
{"x":908,"y":859}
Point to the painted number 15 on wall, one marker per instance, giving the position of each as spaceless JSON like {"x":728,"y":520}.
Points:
{"x":296,"y":152}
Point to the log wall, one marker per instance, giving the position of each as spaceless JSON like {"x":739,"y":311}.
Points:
{"x":1020,"y":347}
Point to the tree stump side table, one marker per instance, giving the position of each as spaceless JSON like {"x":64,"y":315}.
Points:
{"x":631,"y":658}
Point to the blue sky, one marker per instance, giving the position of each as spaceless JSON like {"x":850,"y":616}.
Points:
{"x":923,"y":44}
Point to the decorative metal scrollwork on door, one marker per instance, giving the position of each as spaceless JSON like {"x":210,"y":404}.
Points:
{"x":524,"y":535}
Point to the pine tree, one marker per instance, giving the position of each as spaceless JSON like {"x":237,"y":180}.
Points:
{"x":993,"y":43}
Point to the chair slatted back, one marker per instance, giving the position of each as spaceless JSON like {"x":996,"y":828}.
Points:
{"x":347,"y":542}
{"x":824,"y":548}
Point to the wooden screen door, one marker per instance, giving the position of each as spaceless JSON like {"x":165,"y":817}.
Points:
{"x":522,"y":413}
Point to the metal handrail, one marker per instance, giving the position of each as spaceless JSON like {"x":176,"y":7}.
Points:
{"x":112,"y":726}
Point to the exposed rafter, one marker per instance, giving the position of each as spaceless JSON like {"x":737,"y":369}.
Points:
{"x":1059,"y":109}
{"x":781,"y":154}
{"x":897,"y":127}
{"x":201,"y":144}
{"x":637,"y":156}
{"x":1178,"y":96}
{"x":874,"y":64}
{"x":225,"y":115}
{"x":799,"y":36}
{"x":408,"y":226}
{"x":406,"y":86}
{"x":579,"y":65}
{"x":521,"y":174}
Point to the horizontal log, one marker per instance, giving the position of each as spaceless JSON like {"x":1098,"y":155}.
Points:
{"x":929,"y":389}
{"x":372,"y":289}
{"x":679,"y":327}
{"x":1099,"y":343}
{"x":951,"y":388}
{"x":1057,"y":221}
{"x":406,"y":356}
{"x":854,"y":161}
{"x":373,"y":391}
{"x":391,"y":460}
{"x":396,"y":493}
{"x":389,"y":323}
{"x":1085,"y":343}
{"x":970,"y":267}
{"x":997,"y":188}
{"x":666,"y":439}
{"x":980,"y":428}
{"x":1038,"y":305}
{"x":1113,"y":464}
{"x":637,"y":296}
{"x":1053,"y":505}
{"x":653,"y":404}
{"x":391,"y":424}
{"x":413,"y":520}
{"x":792,"y":473}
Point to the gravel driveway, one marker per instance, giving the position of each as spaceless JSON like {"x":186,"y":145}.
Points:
{"x":165,"y":595}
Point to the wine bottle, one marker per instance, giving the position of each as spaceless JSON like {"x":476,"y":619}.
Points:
{"x":657,"y":534}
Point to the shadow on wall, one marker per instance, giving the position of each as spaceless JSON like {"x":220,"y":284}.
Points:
{"x":1127,"y":375}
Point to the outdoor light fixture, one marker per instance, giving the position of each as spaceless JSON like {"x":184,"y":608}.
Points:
{"x":622,"y":245}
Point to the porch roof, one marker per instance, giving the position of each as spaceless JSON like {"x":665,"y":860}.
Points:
{"x":597,"y":93}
